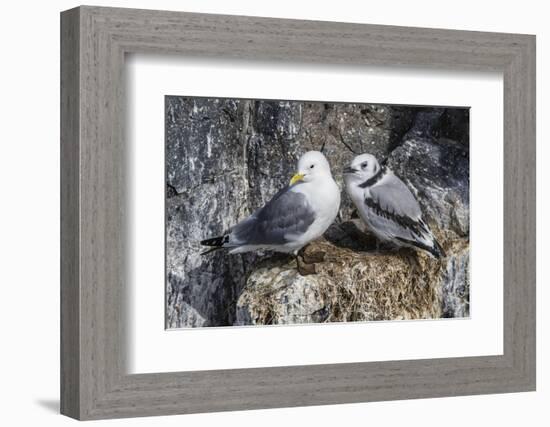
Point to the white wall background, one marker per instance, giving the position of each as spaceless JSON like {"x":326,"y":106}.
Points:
{"x":29,"y":212}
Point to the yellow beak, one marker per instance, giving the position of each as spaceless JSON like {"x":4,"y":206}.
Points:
{"x":296,"y":178}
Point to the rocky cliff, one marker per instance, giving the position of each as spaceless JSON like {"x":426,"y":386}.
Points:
{"x":225,"y":158}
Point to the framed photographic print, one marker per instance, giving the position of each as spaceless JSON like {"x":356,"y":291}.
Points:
{"x":304,"y":212}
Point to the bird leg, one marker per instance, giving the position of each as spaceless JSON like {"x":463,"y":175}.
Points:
{"x":314,"y":257}
{"x":304,"y":268}
{"x":303,"y":263}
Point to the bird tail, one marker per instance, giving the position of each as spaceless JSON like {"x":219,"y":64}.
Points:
{"x":436,"y":250}
{"x":215,"y":243}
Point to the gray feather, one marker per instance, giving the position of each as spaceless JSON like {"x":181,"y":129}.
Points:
{"x":392,"y":195}
{"x":390,"y":226}
{"x":394,"y":214}
{"x":287,"y":213}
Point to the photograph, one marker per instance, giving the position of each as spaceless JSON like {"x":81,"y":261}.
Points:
{"x":281,"y":212}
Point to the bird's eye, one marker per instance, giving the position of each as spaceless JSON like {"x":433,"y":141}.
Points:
{"x":364,"y":165}
{"x":312,"y":166}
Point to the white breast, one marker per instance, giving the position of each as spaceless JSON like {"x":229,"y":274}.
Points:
{"x":323,"y":195}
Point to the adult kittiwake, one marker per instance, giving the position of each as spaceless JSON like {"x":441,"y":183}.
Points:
{"x":387,"y":206}
{"x":298,"y":214}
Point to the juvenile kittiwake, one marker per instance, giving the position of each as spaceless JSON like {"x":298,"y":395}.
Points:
{"x":298,"y":214}
{"x":387,"y":206}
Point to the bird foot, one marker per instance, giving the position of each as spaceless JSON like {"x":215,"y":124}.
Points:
{"x":303,"y":267}
{"x":314,"y":257}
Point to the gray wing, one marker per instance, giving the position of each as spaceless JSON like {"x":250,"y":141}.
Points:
{"x":287,"y":213}
{"x":394,"y":212}
{"x":395,"y":215}
{"x":393,"y":196}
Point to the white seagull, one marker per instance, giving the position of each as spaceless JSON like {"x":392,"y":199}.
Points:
{"x":387,"y":206}
{"x":295,"y":216}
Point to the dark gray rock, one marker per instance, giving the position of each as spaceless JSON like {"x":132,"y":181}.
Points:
{"x":438,"y":173}
{"x":202,"y":141}
{"x":204,"y":160}
{"x":199,"y":287}
{"x":436,"y":168}
{"x":272,"y":148}
{"x":455,"y":285}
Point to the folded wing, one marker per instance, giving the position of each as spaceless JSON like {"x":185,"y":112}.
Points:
{"x":392,"y":195}
{"x":286,"y":215}
{"x":395,"y":213}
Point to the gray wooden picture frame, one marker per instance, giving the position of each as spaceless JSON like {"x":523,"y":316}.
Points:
{"x":94,"y":382}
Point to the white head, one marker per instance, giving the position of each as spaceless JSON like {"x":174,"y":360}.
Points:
{"x":312,"y":165}
{"x":361,"y":168}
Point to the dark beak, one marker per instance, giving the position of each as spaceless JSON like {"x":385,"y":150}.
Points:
{"x":349,"y":170}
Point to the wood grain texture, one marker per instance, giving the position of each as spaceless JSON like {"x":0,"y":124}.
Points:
{"x":94,"y":231}
{"x":70,"y":292}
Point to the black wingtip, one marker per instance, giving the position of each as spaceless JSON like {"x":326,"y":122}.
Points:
{"x":437,"y":251}
{"x":215,"y":243}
